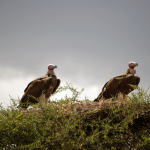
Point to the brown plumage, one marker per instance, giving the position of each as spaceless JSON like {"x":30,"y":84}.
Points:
{"x":120,"y":84}
{"x":41,"y":88}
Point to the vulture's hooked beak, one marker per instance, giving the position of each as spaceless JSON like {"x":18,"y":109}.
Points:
{"x":54,"y":67}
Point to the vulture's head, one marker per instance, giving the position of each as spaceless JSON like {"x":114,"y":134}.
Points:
{"x":51,"y":68}
{"x":131,"y":67}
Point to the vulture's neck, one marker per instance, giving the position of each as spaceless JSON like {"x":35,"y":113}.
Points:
{"x":131,"y":71}
{"x":50,"y":73}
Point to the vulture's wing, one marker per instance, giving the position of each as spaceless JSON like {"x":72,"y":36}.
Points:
{"x":35,"y":89}
{"x":118,"y":84}
{"x":27,"y":86}
{"x":38,"y":79}
{"x":58,"y":83}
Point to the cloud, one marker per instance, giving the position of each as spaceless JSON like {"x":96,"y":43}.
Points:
{"x":12,"y":84}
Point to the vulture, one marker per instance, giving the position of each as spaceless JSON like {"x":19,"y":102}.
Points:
{"x":120,"y":84}
{"x":41,"y":88}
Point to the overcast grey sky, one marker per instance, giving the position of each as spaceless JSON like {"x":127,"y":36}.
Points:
{"x":90,"y":41}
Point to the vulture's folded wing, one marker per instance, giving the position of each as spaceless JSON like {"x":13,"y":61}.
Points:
{"x":58,"y":83}
{"x":35,"y":89}
{"x":118,"y":84}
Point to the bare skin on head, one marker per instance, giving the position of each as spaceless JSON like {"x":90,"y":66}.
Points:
{"x":131,"y":70}
{"x":51,"y":68}
{"x":131,"y":67}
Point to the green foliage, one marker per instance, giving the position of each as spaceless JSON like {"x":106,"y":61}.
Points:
{"x":69,"y":86}
{"x":125,"y":125}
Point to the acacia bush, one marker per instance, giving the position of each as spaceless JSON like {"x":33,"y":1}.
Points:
{"x":123,"y":123}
